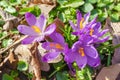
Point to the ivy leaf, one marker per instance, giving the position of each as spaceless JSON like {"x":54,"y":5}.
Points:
{"x":87,"y":7}
{"x":10,"y":9}
{"x":6,"y":77}
{"x":22,"y":66}
{"x":73,"y":3}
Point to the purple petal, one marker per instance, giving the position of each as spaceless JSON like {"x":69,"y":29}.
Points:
{"x":28,"y":40}
{"x":58,"y":38}
{"x":102,"y":40}
{"x":26,"y":30}
{"x":50,"y":56}
{"x":97,"y":28}
{"x":69,"y":56}
{"x":86,"y":17}
{"x":103,"y":32}
{"x":79,"y":17}
{"x":76,"y":46}
{"x":30,"y":18}
{"x":90,"y":51}
{"x":41,"y":22}
{"x":50,"y":29}
{"x":73,"y":25}
{"x":93,"y":62}
{"x":81,"y":61}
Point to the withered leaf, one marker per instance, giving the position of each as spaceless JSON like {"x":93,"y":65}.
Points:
{"x":109,"y":73}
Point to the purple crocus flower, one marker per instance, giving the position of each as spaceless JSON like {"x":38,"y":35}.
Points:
{"x":92,"y":28}
{"x":83,"y":54}
{"x":55,"y":47}
{"x":36,"y":30}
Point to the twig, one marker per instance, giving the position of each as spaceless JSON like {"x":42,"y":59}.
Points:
{"x":15,"y":43}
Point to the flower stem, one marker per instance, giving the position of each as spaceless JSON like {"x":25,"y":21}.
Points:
{"x":58,"y":69}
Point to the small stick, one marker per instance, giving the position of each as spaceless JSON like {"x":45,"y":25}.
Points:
{"x":15,"y":43}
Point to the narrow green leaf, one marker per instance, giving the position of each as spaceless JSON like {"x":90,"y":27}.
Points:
{"x":87,"y":7}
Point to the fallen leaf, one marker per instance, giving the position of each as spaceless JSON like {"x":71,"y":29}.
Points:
{"x":109,"y":73}
{"x":114,"y":29}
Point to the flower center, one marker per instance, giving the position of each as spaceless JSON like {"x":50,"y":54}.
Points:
{"x":81,"y":51}
{"x":58,"y":46}
{"x":81,"y":23}
{"x":91,"y":32}
{"x":36,"y":29}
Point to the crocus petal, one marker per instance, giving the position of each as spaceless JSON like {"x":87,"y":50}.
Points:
{"x":90,"y":51}
{"x":93,"y":62}
{"x":41,"y":22}
{"x":30,"y":18}
{"x":81,"y":61}
{"x":50,"y":29}
{"x":50,"y":56}
{"x":76,"y":46}
{"x":26,"y":30}
{"x":86,"y":17}
{"x":28,"y":40}
{"x":46,"y":45}
{"x":58,"y":38}
{"x":73,"y":26}
{"x":97,"y":27}
{"x":103,"y":32}
{"x":79,"y":17}
{"x":102,"y":40}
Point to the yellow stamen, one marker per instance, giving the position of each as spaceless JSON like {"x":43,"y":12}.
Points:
{"x":91,"y":32}
{"x":58,"y":46}
{"x":81,"y":23}
{"x":81,"y":51}
{"x":36,"y":29}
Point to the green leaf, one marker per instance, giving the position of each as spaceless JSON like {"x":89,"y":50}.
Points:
{"x":87,"y":7}
{"x":115,"y":17}
{"x":22,"y":66}
{"x":73,"y":3}
{"x":6,"y":42}
{"x":6,"y":77}
{"x":61,"y":2}
{"x":4,"y":3}
{"x":101,"y":4}
{"x":10,"y":9}
{"x":14,"y":73}
{"x":117,"y":7}
{"x":91,"y":1}
{"x":27,"y":9}
{"x":62,"y":75}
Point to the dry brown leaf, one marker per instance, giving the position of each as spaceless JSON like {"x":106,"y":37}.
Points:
{"x":109,"y":73}
{"x":114,"y":29}
{"x":23,"y":53}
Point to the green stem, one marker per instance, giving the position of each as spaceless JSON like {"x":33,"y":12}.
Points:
{"x":58,"y":69}
{"x":108,"y":59}
{"x":89,"y":74}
